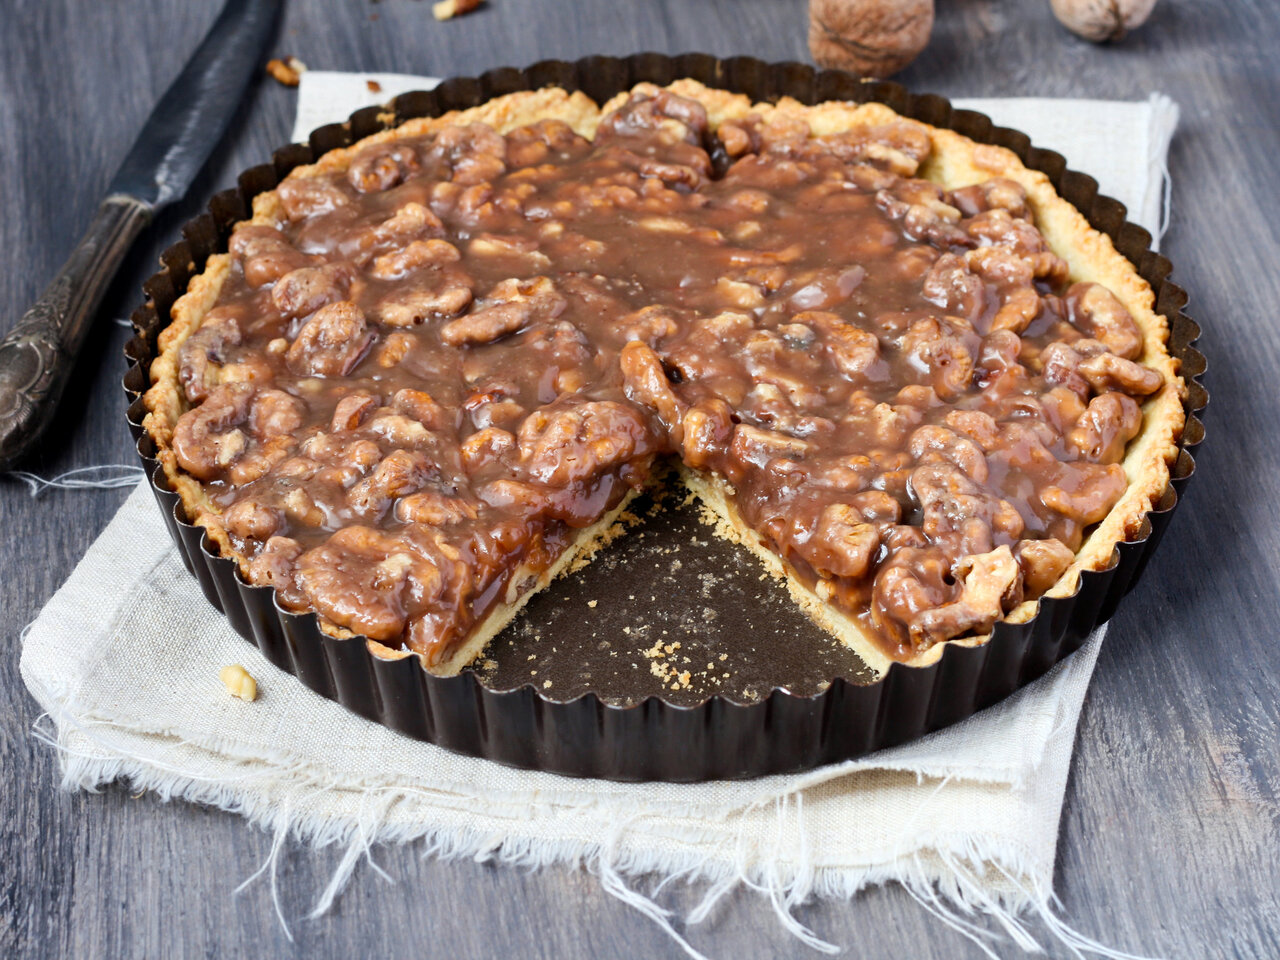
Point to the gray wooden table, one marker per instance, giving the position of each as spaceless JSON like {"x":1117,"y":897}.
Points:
{"x":1170,"y":840}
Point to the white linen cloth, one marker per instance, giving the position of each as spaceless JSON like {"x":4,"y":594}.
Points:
{"x":124,"y":659}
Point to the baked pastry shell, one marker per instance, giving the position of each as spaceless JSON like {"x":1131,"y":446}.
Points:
{"x":654,"y":739}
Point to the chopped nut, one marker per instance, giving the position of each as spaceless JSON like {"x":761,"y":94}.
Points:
{"x":238,"y":682}
{"x":448,"y":9}
{"x":288,"y":71}
{"x":374,"y":86}
{"x":230,"y":446}
{"x":395,"y":566}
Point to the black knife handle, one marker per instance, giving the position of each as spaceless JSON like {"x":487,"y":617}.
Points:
{"x":37,"y":355}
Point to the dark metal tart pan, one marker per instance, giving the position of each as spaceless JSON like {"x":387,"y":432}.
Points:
{"x":777,"y":723}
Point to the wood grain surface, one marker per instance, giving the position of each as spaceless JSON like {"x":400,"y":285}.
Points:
{"x":1170,"y":840}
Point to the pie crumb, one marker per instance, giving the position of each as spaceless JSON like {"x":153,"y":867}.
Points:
{"x":448,"y":9}
{"x":287,"y":71}
{"x":238,"y":682}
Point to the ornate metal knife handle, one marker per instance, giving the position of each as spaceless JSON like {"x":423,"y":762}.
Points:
{"x":37,"y":355}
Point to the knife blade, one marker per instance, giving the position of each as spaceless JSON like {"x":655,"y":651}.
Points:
{"x":37,"y":355}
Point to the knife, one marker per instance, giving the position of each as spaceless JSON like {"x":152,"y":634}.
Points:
{"x":37,"y":355}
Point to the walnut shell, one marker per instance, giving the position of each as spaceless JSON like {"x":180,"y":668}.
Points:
{"x":1102,"y":20}
{"x":872,"y":38}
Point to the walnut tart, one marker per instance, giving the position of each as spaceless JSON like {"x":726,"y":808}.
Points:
{"x":432,"y":366}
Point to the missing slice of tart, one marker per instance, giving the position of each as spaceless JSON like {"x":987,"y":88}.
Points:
{"x":434,"y":367}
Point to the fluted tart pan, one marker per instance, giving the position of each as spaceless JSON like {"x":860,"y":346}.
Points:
{"x":800,"y":707}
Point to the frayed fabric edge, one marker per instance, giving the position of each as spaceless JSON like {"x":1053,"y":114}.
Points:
{"x":962,"y":881}
{"x":106,"y":476}
{"x":1158,"y":202}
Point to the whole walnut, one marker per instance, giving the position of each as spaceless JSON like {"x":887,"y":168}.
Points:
{"x":1102,"y":20}
{"x":872,"y":38}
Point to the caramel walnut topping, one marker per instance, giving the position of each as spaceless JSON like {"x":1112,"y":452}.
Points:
{"x":450,"y":355}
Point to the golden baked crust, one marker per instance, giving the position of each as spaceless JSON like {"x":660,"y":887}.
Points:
{"x":955,"y":161}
